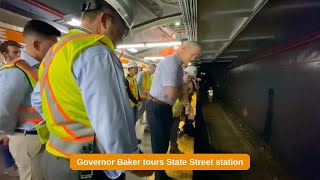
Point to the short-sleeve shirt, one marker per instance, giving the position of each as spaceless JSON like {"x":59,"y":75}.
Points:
{"x":169,"y":72}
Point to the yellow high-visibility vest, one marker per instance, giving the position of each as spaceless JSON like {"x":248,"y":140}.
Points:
{"x":146,"y":83}
{"x":26,"y":113}
{"x":63,"y":108}
{"x":133,"y":88}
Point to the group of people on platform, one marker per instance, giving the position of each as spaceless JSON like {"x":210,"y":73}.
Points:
{"x":69,"y":96}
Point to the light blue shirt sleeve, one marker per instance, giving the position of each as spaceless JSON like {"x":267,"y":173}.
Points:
{"x":36,"y":99}
{"x":169,"y":74}
{"x":13,"y":88}
{"x":99,"y":75}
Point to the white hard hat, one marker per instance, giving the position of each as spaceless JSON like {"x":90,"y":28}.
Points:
{"x":125,"y":8}
{"x":132,"y":64}
{"x":191,"y":70}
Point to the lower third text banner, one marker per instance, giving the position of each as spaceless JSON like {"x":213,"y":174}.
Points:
{"x":160,"y":162}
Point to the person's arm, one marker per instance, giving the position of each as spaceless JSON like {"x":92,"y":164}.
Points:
{"x":36,"y":100}
{"x":184,"y":99}
{"x":140,"y":79}
{"x":131,"y":97}
{"x":170,"y":80}
{"x":139,"y":98}
{"x":14,"y":86}
{"x":99,"y":76}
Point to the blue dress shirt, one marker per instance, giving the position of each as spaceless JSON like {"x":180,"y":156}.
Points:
{"x":99,"y":75}
{"x":15,"y":90}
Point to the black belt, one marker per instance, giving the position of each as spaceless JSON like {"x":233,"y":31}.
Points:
{"x":151,"y":98}
{"x":26,"y":132}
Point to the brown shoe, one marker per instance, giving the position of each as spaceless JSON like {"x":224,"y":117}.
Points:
{"x":11,"y":171}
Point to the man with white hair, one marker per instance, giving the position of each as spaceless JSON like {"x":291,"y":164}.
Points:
{"x":165,"y":89}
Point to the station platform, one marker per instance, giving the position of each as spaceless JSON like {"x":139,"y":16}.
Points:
{"x":185,"y":143}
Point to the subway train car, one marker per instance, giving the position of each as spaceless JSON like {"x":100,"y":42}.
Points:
{"x":257,"y":75}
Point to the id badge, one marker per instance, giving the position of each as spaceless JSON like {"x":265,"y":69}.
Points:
{"x":86,"y":175}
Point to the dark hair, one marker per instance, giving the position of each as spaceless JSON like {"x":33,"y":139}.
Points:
{"x":4,"y":46}
{"x":153,"y":65}
{"x":40,"y":28}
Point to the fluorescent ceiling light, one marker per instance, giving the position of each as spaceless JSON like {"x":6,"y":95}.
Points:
{"x":238,"y":50}
{"x":130,"y":46}
{"x":257,"y":38}
{"x":161,"y":44}
{"x":223,"y":61}
{"x":177,"y":24}
{"x":153,"y":58}
{"x":209,"y":52}
{"x":134,"y":50}
{"x":74,"y":22}
{"x":215,"y":40}
{"x":228,"y":57}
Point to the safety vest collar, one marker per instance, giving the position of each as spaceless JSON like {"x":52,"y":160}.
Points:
{"x":30,"y":72}
{"x":104,"y":40}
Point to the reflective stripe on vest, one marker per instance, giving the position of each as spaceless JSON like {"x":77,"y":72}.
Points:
{"x":26,"y":112}
{"x":62,"y":104}
{"x":133,"y":88}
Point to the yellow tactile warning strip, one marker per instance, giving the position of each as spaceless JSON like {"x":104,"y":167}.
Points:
{"x":186,"y":145}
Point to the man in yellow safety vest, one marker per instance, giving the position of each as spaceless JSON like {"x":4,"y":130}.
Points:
{"x":133,"y":91}
{"x":10,"y":50}
{"x":82,"y":95}
{"x":17,"y":117}
{"x":144,"y":83}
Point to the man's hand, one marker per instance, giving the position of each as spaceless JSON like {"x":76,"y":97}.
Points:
{"x":189,"y":109}
{"x":192,"y":117}
{"x":139,"y":105}
{"x":4,"y":140}
{"x":142,"y":173}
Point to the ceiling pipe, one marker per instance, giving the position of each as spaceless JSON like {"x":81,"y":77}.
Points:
{"x":45,"y":8}
{"x":189,"y":13}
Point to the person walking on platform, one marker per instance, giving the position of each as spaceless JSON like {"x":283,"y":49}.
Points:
{"x":177,"y":110}
{"x":82,"y":95}
{"x":165,"y":89}
{"x":132,"y":89}
{"x":144,"y":83}
{"x":17,"y":117}
{"x":10,"y":50}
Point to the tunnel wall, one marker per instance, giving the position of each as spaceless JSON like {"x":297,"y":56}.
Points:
{"x":279,"y":97}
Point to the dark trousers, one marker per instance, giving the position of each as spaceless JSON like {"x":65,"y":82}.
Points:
{"x":160,"y":120}
{"x":55,"y":168}
{"x":8,"y":159}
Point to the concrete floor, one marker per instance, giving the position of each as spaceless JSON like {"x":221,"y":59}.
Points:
{"x":185,"y":145}
{"x":145,"y":147}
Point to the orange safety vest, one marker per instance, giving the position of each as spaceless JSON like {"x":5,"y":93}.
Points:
{"x":26,"y":113}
